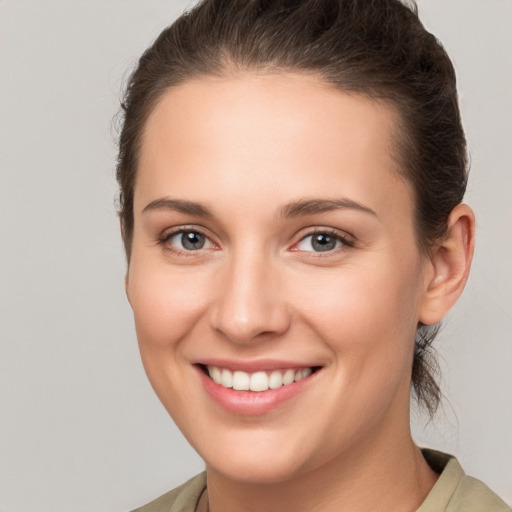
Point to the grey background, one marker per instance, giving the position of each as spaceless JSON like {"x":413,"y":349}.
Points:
{"x":80,"y":429}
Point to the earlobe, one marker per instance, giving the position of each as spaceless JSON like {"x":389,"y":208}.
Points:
{"x":450,"y":262}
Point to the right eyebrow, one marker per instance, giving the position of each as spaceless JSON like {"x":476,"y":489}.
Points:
{"x":180,"y":206}
{"x":315,"y":206}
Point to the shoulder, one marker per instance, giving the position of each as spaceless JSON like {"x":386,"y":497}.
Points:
{"x":457,"y":492}
{"x":181,"y":499}
{"x":472,"y":495}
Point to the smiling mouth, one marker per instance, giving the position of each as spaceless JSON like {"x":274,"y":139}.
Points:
{"x":257,"y":381}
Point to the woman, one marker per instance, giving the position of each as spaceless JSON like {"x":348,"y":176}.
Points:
{"x":291,"y":178}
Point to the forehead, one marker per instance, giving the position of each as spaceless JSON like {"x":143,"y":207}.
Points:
{"x":286,"y":103}
{"x":270,"y":134}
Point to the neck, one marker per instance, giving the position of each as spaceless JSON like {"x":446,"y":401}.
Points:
{"x":357,"y":481}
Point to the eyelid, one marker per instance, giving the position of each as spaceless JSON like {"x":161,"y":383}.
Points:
{"x":169,"y":233}
{"x":347,"y":239}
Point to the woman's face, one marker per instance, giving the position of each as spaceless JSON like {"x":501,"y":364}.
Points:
{"x":273,"y":242}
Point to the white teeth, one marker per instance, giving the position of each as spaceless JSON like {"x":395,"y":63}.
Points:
{"x":240,"y":381}
{"x":275,"y":380}
{"x":306,"y":372}
{"x":226,"y":379}
{"x":288,"y":377}
{"x":302,"y":374}
{"x":215,"y":374}
{"x":258,"y":381}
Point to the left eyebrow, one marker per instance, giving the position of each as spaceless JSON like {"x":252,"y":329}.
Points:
{"x":180,"y":206}
{"x":313,"y":206}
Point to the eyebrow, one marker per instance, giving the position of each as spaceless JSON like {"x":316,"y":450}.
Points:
{"x":178,"y":205}
{"x":313,"y":206}
{"x":295,"y":209}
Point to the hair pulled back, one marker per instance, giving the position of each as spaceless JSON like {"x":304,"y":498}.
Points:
{"x":376,"y":48}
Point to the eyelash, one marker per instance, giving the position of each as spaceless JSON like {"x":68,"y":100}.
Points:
{"x":345,"y":241}
{"x":336,"y":235}
{"x":166,"y":237}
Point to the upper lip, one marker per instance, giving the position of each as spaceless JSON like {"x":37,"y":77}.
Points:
{"x":251,"y":366}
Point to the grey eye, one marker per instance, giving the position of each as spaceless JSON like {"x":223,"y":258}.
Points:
{"x":319,"y":242}
{"x":189,"y":240}
{"x":323,"y":242}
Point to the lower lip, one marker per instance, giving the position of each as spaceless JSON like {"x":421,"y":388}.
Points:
{"x":253,"y":403}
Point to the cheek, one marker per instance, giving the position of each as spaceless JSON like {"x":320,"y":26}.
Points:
{"x":368,"y":321}
{"x":367,"y":315}
{"x":166,"y":305}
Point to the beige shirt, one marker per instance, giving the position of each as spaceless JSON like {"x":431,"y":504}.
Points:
{"x":454,"y":491}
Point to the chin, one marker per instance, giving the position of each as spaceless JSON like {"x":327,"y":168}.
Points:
{"x":257,"y":471}
{"x":257,"y":457}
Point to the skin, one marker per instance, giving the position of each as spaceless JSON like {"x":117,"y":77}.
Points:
{"x":245,"y":147}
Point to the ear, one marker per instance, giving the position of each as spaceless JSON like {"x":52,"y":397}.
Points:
{"x":450,"y":262}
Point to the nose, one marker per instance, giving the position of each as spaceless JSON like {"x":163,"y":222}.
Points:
{"x":250,"y":303}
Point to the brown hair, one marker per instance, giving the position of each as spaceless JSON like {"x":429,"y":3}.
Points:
{"x":376,"y":48}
